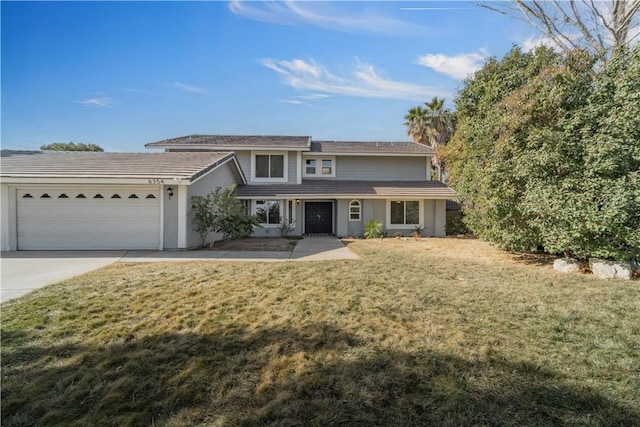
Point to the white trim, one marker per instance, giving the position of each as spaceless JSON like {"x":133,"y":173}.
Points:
{"x":337,"y":153}
{"x":282,"y":203}
{"x":285,"y":175}
{"x":299,"y":167}
{"x":359,"y":210}
{"x":161,"y":228}
{"x":319,"y":160}
{"x":235,"y":161}
{"x":429,"y":168}
{"x":182,"y":216}
{"x":404,"y":226}
{"x":5,"y":228}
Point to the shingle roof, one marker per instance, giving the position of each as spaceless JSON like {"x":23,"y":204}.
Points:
{"x":65,"y":164}
{"x":370,"y":147}
{"x":226,"y":141}
{"x":349,"y":189}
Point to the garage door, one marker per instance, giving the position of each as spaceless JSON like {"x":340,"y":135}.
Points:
{"x":96,"y":218}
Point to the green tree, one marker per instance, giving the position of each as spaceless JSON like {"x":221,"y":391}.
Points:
{"x":71,"y":146}
{"x":432,"y":126}
{"x":221,"y":212}
{"x":544,"y":156}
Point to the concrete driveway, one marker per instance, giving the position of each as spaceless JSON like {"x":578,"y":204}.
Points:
{"x":23,"y":272}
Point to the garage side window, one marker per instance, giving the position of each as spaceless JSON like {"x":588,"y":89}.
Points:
{"x":150,"y":196}
{"x":133,"y":196}
{"x":63,"y":196}
{"x":98,"y":196}
{"x":81,"y":196}
{"x":45,"y":196}
{"x":27,"y":196}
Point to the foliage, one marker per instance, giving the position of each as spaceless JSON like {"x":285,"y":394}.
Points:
{"x":546,"y":157}
{"x":455,"y":223}
{"x":71,"y":146}
{"x":373,"y":229}
{"x":221,"y":212}
{"x":599,"y":27}
{"x":285,"y":227}
{"x":431,"y":126}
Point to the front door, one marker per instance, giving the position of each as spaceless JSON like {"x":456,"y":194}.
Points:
{"x":318,"y":217}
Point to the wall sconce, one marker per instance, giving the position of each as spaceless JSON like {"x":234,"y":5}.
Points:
{"x":170,"y":191}
{"x":297,"y":201}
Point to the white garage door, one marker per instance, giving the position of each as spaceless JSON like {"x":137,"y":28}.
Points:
{"x":96,"y":218}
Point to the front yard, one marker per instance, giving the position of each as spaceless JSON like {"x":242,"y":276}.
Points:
{"x":431,"y":332}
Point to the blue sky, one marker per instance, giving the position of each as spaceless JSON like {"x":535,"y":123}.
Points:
{"x":122,"y":74}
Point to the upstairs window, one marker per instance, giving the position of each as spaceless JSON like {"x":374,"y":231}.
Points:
{"x":270,"y":166}
{"x":319,"y":167}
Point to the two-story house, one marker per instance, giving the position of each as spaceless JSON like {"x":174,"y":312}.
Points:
{"x":72,"y":200}
{"x":331,"y":187}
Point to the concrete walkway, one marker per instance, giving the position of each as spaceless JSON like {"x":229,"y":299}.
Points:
{"x":24,"y":271}
{"x":307,"y":249}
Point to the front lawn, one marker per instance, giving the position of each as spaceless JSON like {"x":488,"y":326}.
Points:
{"x":437,"y":332}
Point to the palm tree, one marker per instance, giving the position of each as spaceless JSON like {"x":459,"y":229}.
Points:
{"x":416,"y":123}
{"x":440,"y":126}
{"x":432,"y":126}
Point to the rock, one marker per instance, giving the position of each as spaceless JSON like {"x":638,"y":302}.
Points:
{"x":566,"y":265}
{"x":610,"y":269}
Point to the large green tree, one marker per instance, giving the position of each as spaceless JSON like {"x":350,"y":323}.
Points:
{"x":71,"y":146}
{"x":546,"y":156}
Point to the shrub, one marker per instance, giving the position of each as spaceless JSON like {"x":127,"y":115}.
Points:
{"x":373,"y":229}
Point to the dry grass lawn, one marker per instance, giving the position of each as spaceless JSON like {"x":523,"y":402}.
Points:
{"x":255,"y":244}
{"x":439,"y":332}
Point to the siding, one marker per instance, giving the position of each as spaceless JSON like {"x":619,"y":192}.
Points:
{"x":244,"y":160}
{"x":379,"y":168}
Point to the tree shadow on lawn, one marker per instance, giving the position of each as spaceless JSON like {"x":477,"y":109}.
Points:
{"x":311,"y":375}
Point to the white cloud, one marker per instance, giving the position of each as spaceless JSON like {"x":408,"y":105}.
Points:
{"x":189,"y":88}
{"x":305,"y":99}
{"x":533,"y":42}
{"x":99,"y":100}
{"x":458,"y":66}
{"x":364,"y":82}
{"x":324,"y":15}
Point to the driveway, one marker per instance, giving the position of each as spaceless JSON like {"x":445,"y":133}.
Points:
{"x":23,"y":272}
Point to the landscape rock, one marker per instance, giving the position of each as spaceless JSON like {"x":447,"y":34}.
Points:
{"x":566,"y":265}
{"x":610,"y":269}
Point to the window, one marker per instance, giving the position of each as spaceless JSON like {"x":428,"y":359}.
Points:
{"x":133,"y":196}
{"x":45,"y":196}
{"x":319,"y":167}
{"x":98,"y":196}
{"x":63,"y":196}
{"x":404,"y":212}
{"x":81,"y":196}
{"x":354,"y":210}
{"x":116,"y":196}
{"x":150,"y":196}
{"x":270,"y":166}
{"x":268,"y":211}
{"x":27,"y":196}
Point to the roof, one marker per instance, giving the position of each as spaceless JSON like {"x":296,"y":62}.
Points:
{"x":228,"y":142}
{"x":78,"y":164}
{"x":349,"y":189}
{"x":370,"y":147}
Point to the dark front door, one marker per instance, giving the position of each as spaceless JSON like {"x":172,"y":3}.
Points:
{"x":318,"y":217}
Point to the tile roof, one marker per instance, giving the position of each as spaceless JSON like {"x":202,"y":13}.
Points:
{"x":67,"y":164}
{"x":370,"y":147}
{"x":348,"y":189}
{"x":264,"y":141}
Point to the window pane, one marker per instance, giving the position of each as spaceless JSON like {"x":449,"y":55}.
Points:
{"x":397,"y":212}
{"x":311,"y":167}
{"x":326,"y":167}
{"x":274,"y":212}
{"x":277,"y":166}
{"x":262,"y":211}
{"x":412,"y":212}
{"x":262,"y":166}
